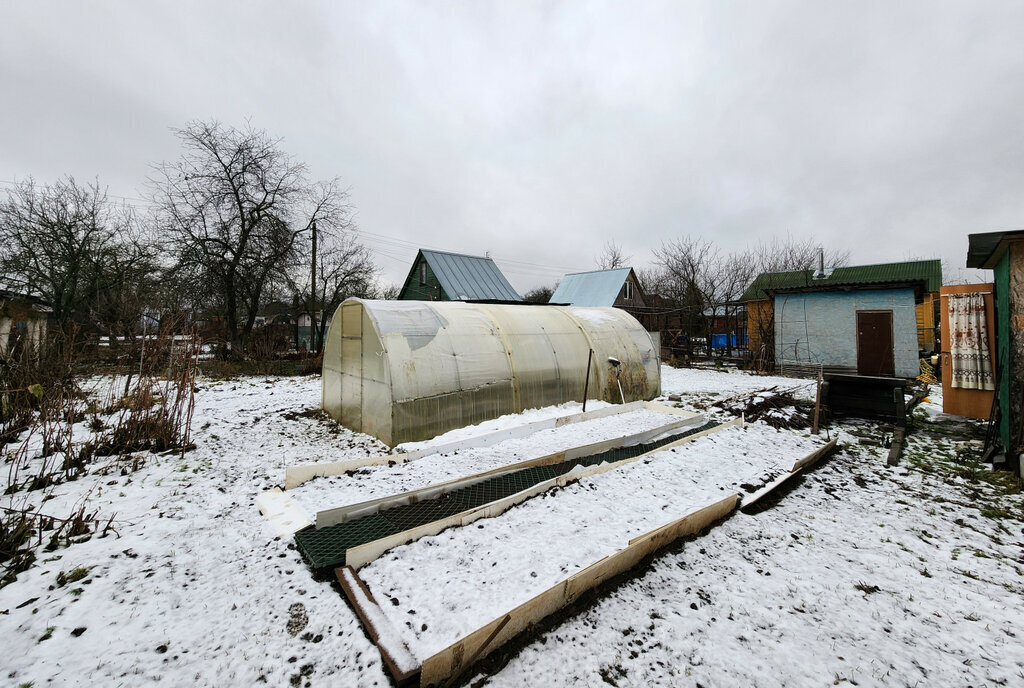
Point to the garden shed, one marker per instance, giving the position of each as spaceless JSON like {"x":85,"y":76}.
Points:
{"x":853,"y":320}
{"x":1003,"y":253}
{"x":409,"y":370}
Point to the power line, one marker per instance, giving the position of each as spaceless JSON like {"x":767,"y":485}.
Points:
{"x":521,"y":267}
{"x":109,"y":195}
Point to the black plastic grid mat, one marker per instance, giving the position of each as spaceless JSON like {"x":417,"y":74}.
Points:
{"x":326,"y":547}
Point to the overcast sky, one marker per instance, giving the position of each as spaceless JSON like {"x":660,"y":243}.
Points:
{"x":537,"y":131}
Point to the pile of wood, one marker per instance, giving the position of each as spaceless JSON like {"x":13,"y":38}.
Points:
{"x":778,"y":408}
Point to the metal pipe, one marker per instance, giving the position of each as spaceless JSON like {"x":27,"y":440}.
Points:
{"x":586,"y":383}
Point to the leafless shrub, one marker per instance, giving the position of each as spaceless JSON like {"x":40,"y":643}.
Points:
{"x":146,"y":407}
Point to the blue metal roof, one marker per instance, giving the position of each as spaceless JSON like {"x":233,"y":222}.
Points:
{"x":466,"y":278}
{"x":596,"y":288}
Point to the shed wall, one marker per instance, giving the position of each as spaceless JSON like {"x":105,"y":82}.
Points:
{"x":820,"y":329}
{"x":1003,"y":362}
{"x":971,"y":403}
{"x":1015,"y":416}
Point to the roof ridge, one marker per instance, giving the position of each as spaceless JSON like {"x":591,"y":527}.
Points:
{"x":895,"y":262}
{"x":591,"y":272}
{"x":453,"y":253}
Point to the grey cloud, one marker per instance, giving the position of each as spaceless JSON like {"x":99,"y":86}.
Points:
{"x":538,"y":131}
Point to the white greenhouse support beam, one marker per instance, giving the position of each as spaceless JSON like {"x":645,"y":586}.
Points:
{"x":297,"y":475}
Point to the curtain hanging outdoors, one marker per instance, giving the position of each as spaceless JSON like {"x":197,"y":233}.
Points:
{"x":968,"y":346}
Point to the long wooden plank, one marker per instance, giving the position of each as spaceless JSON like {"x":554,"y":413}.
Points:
{"x":397,"y":658}
{"x":452,"y":660}
{"x":329,"y":517}
{"x":798,"y":467}
{"x":296,"y":475}
{"x":358,"y":557}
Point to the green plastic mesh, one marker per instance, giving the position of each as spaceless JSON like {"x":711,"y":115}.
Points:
{"x":326,"y":547}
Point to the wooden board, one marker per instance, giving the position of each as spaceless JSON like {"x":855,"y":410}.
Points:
{"x":358,"y":557}
{"x":453,"y":660}
{"x":798,"y":467}
{"x":399,"y":661}
{"x":296,"y":475}
{"x":329,"y":517}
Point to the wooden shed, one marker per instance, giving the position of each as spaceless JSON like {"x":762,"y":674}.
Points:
{"x":1003,"y":253}
{"x":22,"y":320}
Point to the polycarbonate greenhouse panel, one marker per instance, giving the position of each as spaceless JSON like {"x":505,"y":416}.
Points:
{"x":409,"y":370}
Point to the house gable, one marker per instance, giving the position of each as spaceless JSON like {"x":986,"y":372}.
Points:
{"x":619,"y":287}
{"x":443,"y":276}
{"x":422,"y":284}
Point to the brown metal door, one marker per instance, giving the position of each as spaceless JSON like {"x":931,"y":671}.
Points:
{"x":874,"y":344}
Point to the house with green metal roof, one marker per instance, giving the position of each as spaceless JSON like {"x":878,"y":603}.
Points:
{"x":443,"y":276}
{"x":862,"y":319}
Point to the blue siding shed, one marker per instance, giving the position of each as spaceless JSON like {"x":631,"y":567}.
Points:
{"x":815,"y":329}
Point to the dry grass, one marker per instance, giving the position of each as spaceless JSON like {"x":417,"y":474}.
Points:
{"x":146,"y":408}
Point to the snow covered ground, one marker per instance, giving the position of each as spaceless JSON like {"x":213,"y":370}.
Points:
{"x":372,"y":482}
{"x":861,"y":574}
{"x":481,"y":572}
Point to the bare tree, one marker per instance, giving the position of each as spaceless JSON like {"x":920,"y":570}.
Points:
{"x":612,"y":257}
{"x":127,"y":286}
{"x":385,"y":292}
{"x":687,"y":268}
{"x":65,"y":243}
{"x":344,"y":268}
{"x":733,"y":274}
{"x":789,"y":254}
{"x":236,"y":208}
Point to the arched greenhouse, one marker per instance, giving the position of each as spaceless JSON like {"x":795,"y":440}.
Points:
{"x":409,"y":370}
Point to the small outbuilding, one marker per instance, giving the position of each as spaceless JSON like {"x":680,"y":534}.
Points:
{"x":443,"y":276}
{"x":410,"y":370}
{"x":859,"y":320}
{"x":22,"y":320}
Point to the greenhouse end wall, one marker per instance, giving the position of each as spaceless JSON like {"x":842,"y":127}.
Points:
{"x":409,"y":370}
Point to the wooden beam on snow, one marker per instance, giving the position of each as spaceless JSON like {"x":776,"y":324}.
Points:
{"x":798,"y":467}
{"x":452,"y":661}
{"x":399,"y":662}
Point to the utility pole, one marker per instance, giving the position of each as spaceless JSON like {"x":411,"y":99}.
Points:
{"x":312,"y":296}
